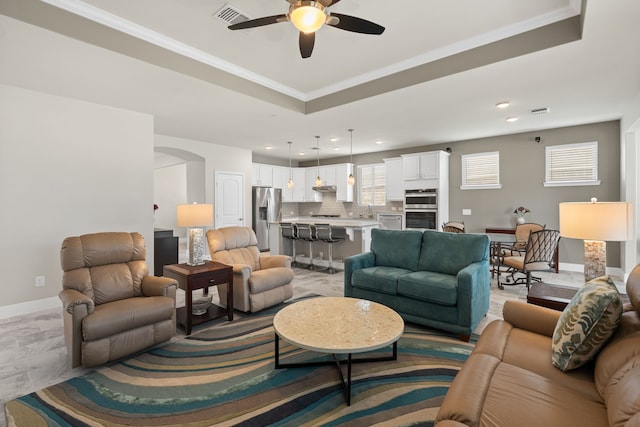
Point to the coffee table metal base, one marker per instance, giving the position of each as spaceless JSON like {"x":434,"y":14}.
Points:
{"x":346,"y":383}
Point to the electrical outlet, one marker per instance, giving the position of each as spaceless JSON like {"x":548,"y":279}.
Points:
{"x":466,"y":211}
{"x":39,"y":281}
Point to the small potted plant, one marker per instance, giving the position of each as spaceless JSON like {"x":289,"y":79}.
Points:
{"x":520,"y":212}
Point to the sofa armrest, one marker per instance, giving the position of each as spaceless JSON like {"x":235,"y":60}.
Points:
{"x":76,"y":306}
{"x":473,"y":293}
{"x":353,"y":263}
{"x":242,"y":270}
{"x":76,"y":303}
{"x":153,"y":286}
{"x":531,"y":317}
{"x":449,"y":423}
{"x":271,"y":261}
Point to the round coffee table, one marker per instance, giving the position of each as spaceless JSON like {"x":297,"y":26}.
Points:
{"x":337,"y":325}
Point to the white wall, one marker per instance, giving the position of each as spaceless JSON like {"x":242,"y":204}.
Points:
{"x":217,"y":158}
{"x":630,"y":178}
{"x":169,"y":190}
{"x":67,"y":167}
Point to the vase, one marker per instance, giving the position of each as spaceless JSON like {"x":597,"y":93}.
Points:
{"x":520,"y":220}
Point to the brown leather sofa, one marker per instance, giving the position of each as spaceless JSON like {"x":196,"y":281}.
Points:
{"x":259,"y":281}
{"x":112,"y":307}
{"x":509,"y":379}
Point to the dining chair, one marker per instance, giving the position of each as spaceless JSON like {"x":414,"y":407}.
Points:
{"x":538,"y":256}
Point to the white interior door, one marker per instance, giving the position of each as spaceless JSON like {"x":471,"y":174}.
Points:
{"x":229,"y":199}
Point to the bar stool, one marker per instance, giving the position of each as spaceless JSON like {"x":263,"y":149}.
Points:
{"x":324,"y":233}
{"x":289,"y":231}
{"x":307,"y":232}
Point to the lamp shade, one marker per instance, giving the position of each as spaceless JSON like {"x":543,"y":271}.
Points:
{"x":194,"y":215}
{"x":605,"y":221}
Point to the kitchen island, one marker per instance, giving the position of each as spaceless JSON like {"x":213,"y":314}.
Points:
{"x":356,"y":234}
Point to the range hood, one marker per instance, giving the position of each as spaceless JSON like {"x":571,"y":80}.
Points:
{"x":325,"y":189}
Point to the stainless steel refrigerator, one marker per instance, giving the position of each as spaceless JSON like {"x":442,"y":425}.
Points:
{"x":267,"y":209}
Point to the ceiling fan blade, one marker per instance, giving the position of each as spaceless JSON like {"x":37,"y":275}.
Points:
{"x":307,"y":40}
{"x":258,"y":22}
{"x":356,"y":25}
{"x":327,"y":3}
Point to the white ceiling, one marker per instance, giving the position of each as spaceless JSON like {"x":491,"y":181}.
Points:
{"x":433,"y":76}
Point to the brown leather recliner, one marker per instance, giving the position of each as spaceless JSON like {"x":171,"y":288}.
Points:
{"x":259,"y":281}
{"x":112,"y":307}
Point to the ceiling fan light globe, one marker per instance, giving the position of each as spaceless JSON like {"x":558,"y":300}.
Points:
{"x":307,"y":16}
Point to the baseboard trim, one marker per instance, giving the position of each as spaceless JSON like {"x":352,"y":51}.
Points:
{"x":30,"y":307}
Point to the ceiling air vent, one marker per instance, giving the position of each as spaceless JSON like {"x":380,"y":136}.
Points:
{"x":538,"y":111}
{"x":230,"y":14}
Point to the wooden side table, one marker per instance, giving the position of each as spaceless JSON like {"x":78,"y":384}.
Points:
{"x":556,"y":297}
{"x":190,"y":278}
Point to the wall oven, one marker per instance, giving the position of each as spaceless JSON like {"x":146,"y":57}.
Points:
{"x":421,"y":209}
{"x":422,"y":219}
{"x":421,"y":199}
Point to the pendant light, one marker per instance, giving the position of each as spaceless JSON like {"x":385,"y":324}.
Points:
{"x":318,"y":180}
{"x":351,"y":180}
{"x":290,"y":182}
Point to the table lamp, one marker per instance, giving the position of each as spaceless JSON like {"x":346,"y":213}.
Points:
{"x":596,"y":222}
{"x":195,"y":216}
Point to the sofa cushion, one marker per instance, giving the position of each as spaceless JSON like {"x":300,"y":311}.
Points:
{"x":428,"y":286}
{"x":586,"y":324}
{"x":395,"y":248}
{"x":449,"y":253}
{"x":378,"y":278}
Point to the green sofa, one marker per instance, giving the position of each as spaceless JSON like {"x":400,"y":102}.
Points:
{"x":431,"y":278}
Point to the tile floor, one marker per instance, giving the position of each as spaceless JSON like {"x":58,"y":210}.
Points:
{"x":33,"y":354}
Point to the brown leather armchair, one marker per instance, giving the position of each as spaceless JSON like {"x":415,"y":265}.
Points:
{"x":112,"y":307}
{"x":259,"y":281}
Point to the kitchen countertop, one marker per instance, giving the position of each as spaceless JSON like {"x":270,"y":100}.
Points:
{"x":335,"y":222}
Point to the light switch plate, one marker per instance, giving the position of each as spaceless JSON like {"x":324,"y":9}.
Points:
{"x":466,"y":211}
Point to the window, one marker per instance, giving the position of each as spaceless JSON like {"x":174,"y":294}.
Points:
{"x":481,"y":171}
{"x":371,"y":179}
{"x":571,"y":164}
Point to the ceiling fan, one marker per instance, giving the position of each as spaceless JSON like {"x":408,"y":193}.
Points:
{"x":308,"y":17}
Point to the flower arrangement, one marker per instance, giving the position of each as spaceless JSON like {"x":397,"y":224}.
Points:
{"x":520,"y":212}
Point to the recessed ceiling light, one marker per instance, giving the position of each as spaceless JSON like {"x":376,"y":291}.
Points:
{"x":512,"y":119}
{"x":334,"y":139}
{"x":503,"y":104}
{"x":301,"y":154}
{"x":379,"y":142}
{"x":336,"y":148}
{"x":268,"y":147}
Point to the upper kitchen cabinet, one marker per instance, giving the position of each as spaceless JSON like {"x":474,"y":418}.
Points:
{"x":295,"y":194}
{"x":311,"y":195}
{"x":262,"y":175}
{"x":394,"y":184}
{"x":344,"y":191}
{"x":422,"y":165}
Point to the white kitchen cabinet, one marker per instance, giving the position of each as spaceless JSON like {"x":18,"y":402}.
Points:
{"x":295,"y":194}
{"x":328,"y":175}
{"x":394,"y":179}
{"x":262,"y":175}
{"x":310,"y":179}
{"x":421,"y":166}
{"x":299,"y":181}
{"x":280,"y":177}
{"x":344,"y":191}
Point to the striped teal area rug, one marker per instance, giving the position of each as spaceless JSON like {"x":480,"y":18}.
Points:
{"x":225,"y":376}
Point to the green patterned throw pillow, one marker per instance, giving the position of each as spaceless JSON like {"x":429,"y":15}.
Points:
{"x":586,"y":324}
